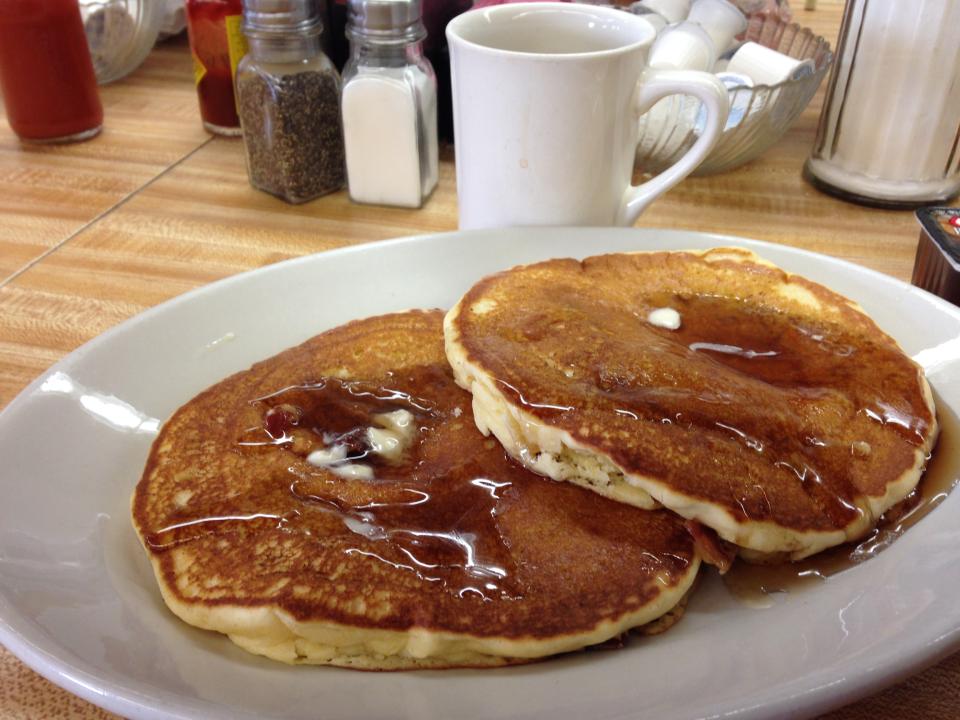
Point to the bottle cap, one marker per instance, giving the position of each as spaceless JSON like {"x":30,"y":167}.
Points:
{"x":282,"y":16}
{"x":387,"y":20}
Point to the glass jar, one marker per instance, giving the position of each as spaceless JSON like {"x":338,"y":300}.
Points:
{"x":121,"y":33}
{"x":288,"y":93}
{"x":889,"y":126}
{"x":389,"y":105}
{"x":217,"y":44}
{"x":46,"y":74}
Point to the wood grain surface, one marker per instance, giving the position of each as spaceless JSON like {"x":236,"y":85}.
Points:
{"x":91,"y":234}
{"x":49,"y":192}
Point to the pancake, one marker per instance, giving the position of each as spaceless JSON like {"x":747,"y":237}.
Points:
{"x":336,"y":504}
{"x":742,"y":397}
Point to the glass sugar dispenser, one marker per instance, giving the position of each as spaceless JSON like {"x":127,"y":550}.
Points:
{"x":889,"y":132}
{"x":389,"y":105}
{"x":288,"y":96}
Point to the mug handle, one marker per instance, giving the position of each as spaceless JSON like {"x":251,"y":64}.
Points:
{"x":655,"y":85}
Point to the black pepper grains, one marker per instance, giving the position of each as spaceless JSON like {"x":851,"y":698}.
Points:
{"x":291,"y":127}
{"x":288,"y":98}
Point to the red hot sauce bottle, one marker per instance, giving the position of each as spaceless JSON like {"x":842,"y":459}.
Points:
{"x":46,"y":75}
{"x":217,"y":44}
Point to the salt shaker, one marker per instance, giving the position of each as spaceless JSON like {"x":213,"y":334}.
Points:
{"x":888,"y":131}
{"x":288,"y":97}
{"x":389,"y":105}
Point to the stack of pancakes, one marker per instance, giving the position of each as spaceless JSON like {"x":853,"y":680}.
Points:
{"x":344,"y":502}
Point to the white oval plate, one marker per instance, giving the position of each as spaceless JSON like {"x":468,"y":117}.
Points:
{"x":78,"y":602}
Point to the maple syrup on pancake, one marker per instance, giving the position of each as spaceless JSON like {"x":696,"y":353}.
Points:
{"x":743,"y":388}
{"x":433,"y":512}
{"x":753,"y":584}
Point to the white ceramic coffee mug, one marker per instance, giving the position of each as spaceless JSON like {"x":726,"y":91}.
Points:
{"x":546,"y":99}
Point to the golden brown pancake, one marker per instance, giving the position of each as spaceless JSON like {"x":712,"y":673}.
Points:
{"x":776,"y":412}
{"x":336,"y":504}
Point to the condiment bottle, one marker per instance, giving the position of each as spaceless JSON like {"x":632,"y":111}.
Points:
{"x":49,"y":87}
{"x":389,"y":105}
{"x":288,"y":93}
{"x":888,"y":130}
{"x":217,"y":44}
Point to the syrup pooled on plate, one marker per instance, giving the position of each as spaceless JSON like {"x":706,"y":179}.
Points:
{"x":753,"y":584}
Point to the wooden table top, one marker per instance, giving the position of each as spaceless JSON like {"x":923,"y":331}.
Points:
{"x":94,"y":233}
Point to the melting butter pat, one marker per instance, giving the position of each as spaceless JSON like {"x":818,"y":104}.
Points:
{"x":394,"y":435}
{"x":333,"y":459}
{"x":389,"y":441}
{"x":356,"y":471}
{"x":325,"y":457}
{"x":664,"y":317}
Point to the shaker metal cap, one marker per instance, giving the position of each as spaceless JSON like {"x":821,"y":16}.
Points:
{"x":282,"y":15}
{"x":386,"y":18}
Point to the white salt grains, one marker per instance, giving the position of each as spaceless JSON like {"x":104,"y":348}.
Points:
{"x":390,"y":134}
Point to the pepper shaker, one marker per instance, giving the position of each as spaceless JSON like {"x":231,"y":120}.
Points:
{"x":288,"y":93}
{"x":389,"y":105}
